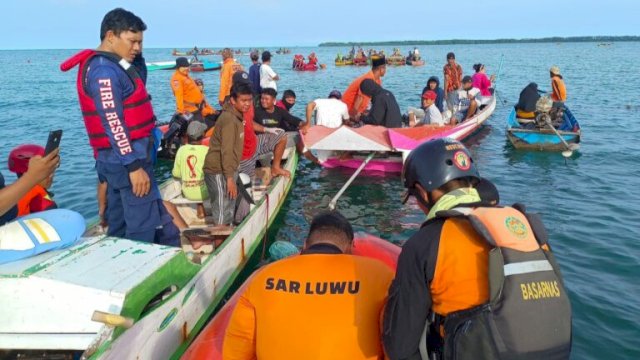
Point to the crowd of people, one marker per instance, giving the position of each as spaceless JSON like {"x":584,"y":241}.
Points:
{"x":441,"y":299}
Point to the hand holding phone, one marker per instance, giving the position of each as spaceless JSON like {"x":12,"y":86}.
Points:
{"x":53,"y":142}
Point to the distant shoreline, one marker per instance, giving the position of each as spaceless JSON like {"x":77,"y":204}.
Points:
{"x":478,"y":42}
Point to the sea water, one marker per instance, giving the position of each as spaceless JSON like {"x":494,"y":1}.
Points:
{"x":590,"y":203}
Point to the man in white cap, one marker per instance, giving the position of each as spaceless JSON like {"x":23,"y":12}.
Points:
{"x":559,"y":91}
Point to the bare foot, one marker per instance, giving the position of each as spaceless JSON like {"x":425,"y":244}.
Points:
{"x":276,"y":171}
{"x":197,"y":244}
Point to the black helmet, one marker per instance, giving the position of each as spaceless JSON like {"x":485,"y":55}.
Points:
{"x":436,"y":162}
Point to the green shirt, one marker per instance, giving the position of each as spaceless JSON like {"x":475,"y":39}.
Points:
{"x":188,"y":168}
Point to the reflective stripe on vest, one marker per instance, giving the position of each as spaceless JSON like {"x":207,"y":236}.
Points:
{"x":527,"y":267}
{"x":139,"y":119}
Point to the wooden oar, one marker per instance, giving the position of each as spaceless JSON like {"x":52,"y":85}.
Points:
{"x":332,"y":204}
{"x":567,"y":153}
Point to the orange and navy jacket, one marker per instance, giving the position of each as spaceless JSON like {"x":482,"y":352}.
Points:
{"x":558,"y":89}
{"x":36,"y":200}
{"x":442,"y":268}
{"x":319,"y":305}
{"x":188,"y":95}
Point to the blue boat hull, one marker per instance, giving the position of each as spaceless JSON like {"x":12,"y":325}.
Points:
{"x":543,"y":139}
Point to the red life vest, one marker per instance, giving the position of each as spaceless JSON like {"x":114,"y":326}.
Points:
{"x":139,"y":118}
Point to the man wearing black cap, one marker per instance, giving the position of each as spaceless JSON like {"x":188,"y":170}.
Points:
{"x":357,"y":102}
{"x":452,"y":78}
{"x":189,"y":98}
{"x":331,"y":112}
{"x":466,"y":101}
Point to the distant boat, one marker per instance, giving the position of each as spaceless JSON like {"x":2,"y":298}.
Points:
{"x":196,"y":66}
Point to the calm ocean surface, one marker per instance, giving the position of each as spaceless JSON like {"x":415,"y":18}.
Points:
{"x":590,"y":203}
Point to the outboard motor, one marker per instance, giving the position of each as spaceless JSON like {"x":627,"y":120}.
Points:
{"x":177,"y":128}
{"x":543,"y":109}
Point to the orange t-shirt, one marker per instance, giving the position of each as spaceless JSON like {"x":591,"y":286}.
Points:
{"x":559,"y":90}
{"x":315,"y":306}
{"x":351,"y":94}
{"x":460,"y":281}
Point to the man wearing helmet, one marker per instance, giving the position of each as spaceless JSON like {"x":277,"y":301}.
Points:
{"x":444,"y":303}
{"x":38,"y":198}
{"x":37,"y":168}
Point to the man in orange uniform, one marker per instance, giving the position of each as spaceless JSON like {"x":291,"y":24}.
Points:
{"x":225,"y":75}
{"x":356,"y":101}
{"x":449,"y":272}
{"x":187,"y":93}
{"x":558,"y":89}
{"x":322,"y":304}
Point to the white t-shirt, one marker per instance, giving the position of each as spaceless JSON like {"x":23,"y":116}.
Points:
{"x":266,"y":77}
{"x":330,"y":112}
{"x":463,"y":98}
{"x":433,"y":116}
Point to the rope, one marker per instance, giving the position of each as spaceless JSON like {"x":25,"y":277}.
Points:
{"x":266,"y":229}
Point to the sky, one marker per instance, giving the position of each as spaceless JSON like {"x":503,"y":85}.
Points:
{"x":73,"y":24}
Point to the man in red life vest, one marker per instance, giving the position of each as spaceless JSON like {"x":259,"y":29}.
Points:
{"x":119,"y":119}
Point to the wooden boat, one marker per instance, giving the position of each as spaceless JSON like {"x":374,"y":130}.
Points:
{"x":344,"y":62}
{"x":391,"y":145}
{"x":396,"y":60}
{"x":196,"y":66}
{"x":151,"y":300}
{"x":543,"y":138}
{"x":208,"y":345}
{"x":415,"y":62}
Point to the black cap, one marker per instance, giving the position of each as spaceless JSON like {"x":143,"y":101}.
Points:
{"x":467,"y":79}
{"x":335,"y":94}
{"x":240,"y":77}
{"x":182,"y":62}
{"x":451,"y":56}
{"x":378,"y":61}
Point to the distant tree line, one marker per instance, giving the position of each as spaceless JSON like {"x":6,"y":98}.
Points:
{"x":495,"y":41}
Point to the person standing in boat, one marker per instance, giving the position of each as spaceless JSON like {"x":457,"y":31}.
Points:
{"x":384,"y":107}
{"x":322,"y":304}
{"x":558,"y":89}
{"x":268,"y":77}
{"x":476,"y":281}
{"x":452,"y":80}
{"x":356,"y":101}
{"x":228,"y":64}
{"x":222,"y":162}
{"x":254,"y":73}
{"x":119,"y":120}
{"x":188,"y":166}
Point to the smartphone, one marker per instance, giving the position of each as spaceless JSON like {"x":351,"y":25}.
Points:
{"x":53,"y":142}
